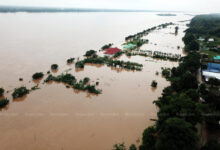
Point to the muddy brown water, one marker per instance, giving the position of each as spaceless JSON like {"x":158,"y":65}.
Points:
{"x":58,"y":118}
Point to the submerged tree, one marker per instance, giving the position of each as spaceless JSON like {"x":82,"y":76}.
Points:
{"x":37,"y":75}
{"x":54,"y":66}
{"x":119,"y":146}
{"x":176,"y":30}
{"x":154,"y":84}
{"x":2,"y":91}
{"x":4,"y":102}
{"x":19,"y":92}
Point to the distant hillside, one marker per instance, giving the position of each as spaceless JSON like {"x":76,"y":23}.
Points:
{"x":13,"y":9}
{"x":7,"y":9}
{"x":166,"y":14}
{"x":205,"y":24}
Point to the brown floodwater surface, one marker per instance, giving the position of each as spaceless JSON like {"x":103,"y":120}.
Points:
{"x":59,"y":118}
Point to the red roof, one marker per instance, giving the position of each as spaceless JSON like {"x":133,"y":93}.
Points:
{"x":112,"y":51}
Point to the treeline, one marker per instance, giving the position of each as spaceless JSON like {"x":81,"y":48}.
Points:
{"x":95,"y":59}
{"x":181,"y":108}
{"x":147,"y":31}
{"x":71,"y":81}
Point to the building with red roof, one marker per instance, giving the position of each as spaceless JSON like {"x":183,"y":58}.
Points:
{"x":112,"y":51}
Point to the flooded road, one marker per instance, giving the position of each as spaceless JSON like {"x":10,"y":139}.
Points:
{"x":58,"y":118}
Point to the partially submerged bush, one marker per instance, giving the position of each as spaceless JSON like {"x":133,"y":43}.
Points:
{"x":65,"y":78}
{"x":37,"y":75}
{"x":70,"y":60}
{"x":79,"y":64}
{"x":92,"y":89}
{"x":154,"y":84}
{"x":54,"y":67}
{"x":90,"y":53}
{"x":86,"y":80}
{"x":71,"y":81}
{"x":49,"y":78}
{"x":2,"y":91}
{"x":19,"y":92}
{"x":4,"y":102}
{"x":118,"y":54}
{"x":106,"y":46}
{"x":35,"y":88}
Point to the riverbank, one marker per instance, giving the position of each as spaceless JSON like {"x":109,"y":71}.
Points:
{"x":180,"y":106}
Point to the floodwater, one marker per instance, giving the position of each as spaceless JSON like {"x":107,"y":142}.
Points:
{"x":57,"y":118}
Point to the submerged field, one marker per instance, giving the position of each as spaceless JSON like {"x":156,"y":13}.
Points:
{"x":55,"y":117}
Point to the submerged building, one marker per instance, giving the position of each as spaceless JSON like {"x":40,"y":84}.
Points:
{"x":129,"y":46}
{"x":111,"y":51}
{"x":212,"y":71}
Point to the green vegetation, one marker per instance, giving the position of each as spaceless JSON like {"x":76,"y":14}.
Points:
{"x":211,"y":54}
{"x":211,"y":145}
{"x":90,"y":53}
{"x":35,"y":88}
{"x":155,"y":55}
{"x":118,"y":54}
{"x":177,"y":134}
{"x":92,"y":89}
{"x":79,"y":64}
{"x":70,"y":60}
{"x":126,"y":65}
{"x":4,"y":102}
{"x":154,"y":84}
{"x":203,"y":27}
{"x":54,"y":66}
{"x":166,"y":72}
{"x":110,"y":62}
{"x":145,"y":32}
{"x":191,"y":43}
{"x":179,"y":106}
{"x":148,"y":139}
{"x":37,"y":75}
{"x":179,"y":109}
{"x":119,"y":146}
{"x":107,"y":46}
{"x":2,"y":91}
{"x":19,"y":92}
{"x":71,"y":81}
{"x":132,"y":147}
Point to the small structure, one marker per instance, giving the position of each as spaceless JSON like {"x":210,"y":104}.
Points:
{"x":129,"y":46}
{"x":212,"y":71}
{"x":218,"y":47}
{"x":111,"y":51}
{"x":216,"y":58}
{"x":201,"y":39}
{"x":211,"y":40}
